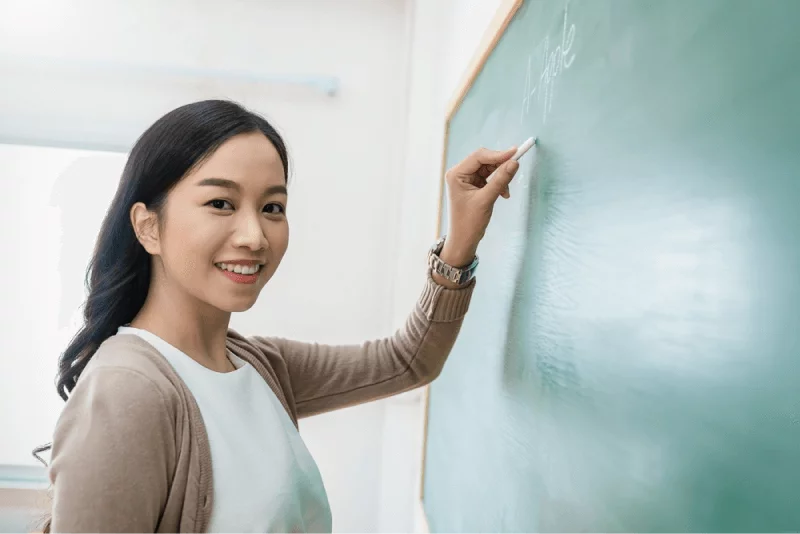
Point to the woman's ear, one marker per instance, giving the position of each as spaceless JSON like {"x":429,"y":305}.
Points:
{"x":145,"y":226}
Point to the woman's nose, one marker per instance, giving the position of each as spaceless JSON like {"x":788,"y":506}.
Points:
{"x":249,"y":234}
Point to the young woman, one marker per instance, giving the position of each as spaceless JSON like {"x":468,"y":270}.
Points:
{"x":174,"y":422}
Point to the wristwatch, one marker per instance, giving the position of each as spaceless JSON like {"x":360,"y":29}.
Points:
{"x":457,"y":275}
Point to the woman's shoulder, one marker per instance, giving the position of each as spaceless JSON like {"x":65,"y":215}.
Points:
{"x":132,"y":360}
{"x":264,"y":350}
{"x":261,"y":345}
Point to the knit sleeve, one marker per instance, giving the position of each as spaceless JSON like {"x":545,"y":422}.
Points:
{"x":329,"y":377}
{"x":113,"y":452}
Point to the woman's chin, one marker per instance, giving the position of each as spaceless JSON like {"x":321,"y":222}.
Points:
{"x":235,"y":303}
{"x":239,"y":305}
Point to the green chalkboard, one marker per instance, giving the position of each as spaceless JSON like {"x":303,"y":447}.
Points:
{"x":631,"y":359}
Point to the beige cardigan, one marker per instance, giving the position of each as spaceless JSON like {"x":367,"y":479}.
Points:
{"x":130,"y":452}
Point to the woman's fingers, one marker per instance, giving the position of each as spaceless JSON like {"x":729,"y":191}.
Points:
{"x":480,"y":169}
{"x":498,"y":184}
{"x":483,"y":156}
{"x":486,"y":170}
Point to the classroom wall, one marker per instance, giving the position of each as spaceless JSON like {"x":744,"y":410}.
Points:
{"x":445,"y":34}
{"x":348,"y":151}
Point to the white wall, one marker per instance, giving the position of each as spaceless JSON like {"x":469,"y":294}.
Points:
{"x":445,"y":36}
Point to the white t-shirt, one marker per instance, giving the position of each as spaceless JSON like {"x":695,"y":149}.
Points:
{"x":265,"y":480}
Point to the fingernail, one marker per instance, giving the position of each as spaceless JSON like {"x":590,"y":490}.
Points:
{"x":512,"y":166}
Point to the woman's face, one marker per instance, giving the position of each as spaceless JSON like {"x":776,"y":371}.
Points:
{"x":224,"y":229}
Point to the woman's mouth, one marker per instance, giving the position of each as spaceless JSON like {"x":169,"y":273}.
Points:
{"x":241,"y":274}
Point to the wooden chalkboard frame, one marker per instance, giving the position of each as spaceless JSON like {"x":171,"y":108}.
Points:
{"x":502,"y":18}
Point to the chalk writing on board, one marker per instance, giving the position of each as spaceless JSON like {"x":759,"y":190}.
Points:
{"x":553,"y":63}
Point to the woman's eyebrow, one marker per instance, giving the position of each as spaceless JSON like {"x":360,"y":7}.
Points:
{"x":276,"y":190}
{"x":219,"y":182}
{"x":230,"y":184}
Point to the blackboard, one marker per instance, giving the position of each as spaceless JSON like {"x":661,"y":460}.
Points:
{"x":631,"y":358}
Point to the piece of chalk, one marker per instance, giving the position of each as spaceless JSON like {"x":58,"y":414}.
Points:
{"x":524,"y":147}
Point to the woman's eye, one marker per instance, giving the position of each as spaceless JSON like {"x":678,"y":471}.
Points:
{"x":220,"y":204}
{"x":273,"y":209}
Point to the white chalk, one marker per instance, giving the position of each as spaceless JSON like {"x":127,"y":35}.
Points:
{"x":524,"y":147}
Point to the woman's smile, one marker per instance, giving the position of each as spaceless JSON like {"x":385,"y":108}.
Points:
{"x":240,"y":272}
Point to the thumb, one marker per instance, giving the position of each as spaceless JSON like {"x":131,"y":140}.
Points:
{"x":498,"y":182}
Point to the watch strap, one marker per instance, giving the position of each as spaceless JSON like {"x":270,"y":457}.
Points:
{"x":457,"y":275}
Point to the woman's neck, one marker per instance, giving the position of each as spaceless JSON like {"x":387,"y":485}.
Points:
{"x":195,"y":328}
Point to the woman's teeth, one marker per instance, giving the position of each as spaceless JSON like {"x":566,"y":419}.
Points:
{"x":240,"y":269}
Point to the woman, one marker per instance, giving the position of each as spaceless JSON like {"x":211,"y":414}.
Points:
{"x":174,"y":422}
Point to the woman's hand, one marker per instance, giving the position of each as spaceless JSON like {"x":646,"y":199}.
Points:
{"x":471,"y":200}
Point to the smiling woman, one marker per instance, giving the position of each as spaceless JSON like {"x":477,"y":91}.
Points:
{"x":239,"y":221}
{"x":173,"y":421}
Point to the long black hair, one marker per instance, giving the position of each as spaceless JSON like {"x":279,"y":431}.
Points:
{"x":118,"y":276}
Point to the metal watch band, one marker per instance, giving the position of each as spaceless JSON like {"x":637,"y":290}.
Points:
{"x":457,"y":275}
